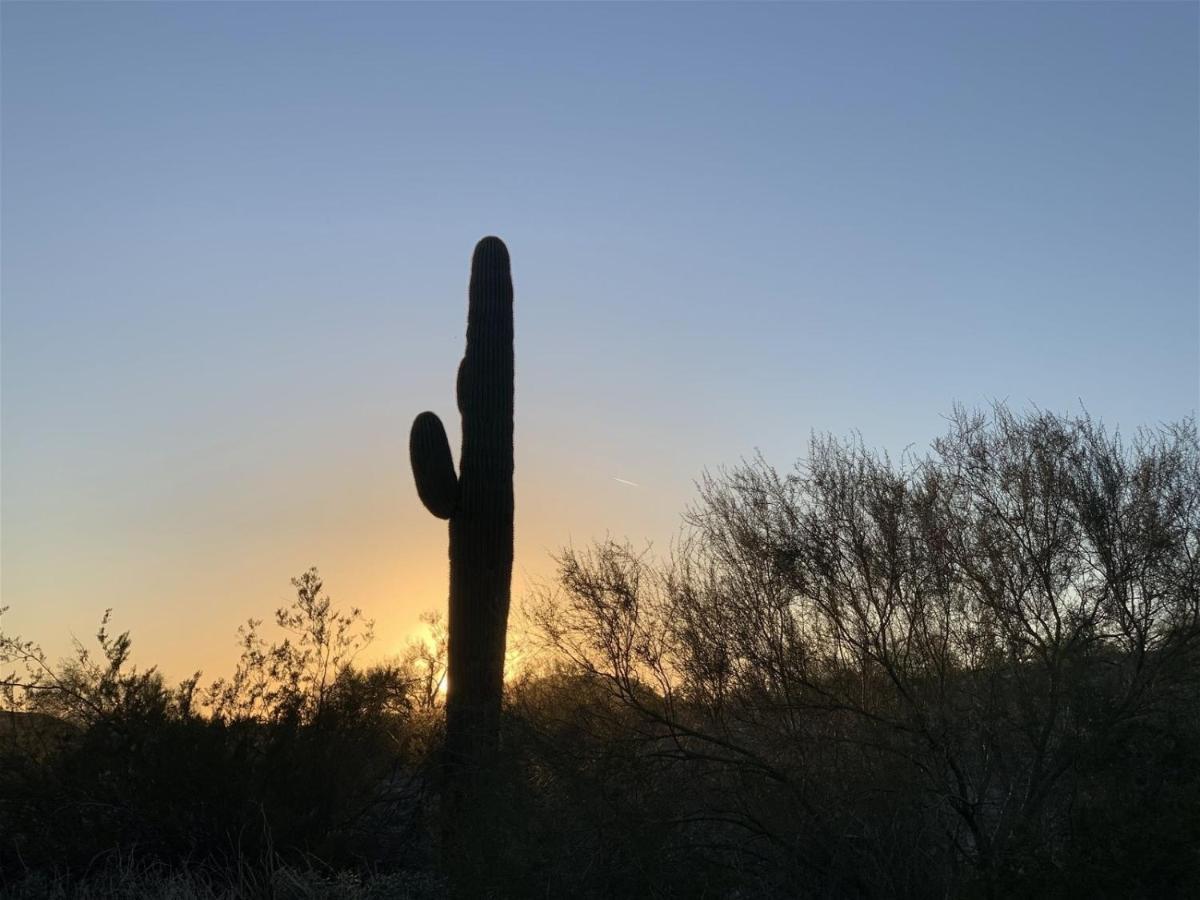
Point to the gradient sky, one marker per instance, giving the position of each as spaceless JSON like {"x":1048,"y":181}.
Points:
{"x":236,"y":237}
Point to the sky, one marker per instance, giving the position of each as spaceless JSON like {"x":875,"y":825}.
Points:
{"x":234,"y":246}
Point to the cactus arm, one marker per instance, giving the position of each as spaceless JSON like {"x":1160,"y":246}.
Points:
{"x":433,"y":468}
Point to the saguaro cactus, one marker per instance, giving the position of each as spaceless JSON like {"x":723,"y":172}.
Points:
{"x":478,"y":501}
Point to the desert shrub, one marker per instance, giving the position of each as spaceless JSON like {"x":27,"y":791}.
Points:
{"x":299,"y":755}
{"x":971,"y":673}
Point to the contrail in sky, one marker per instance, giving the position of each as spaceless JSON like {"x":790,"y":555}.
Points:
{"x":624,"y":481}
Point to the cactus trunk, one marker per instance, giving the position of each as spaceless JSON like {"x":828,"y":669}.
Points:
{"x":478,"y":502}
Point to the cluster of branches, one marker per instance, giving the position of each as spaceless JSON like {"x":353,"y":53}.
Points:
{"x":292,"y":679}
{"x":974,"y":672}
{"x":300,"y":751}
{"x":906,"y":678}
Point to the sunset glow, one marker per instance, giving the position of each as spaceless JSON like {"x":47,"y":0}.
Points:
{"x":600,"y":450}
{"x":229,"y":287}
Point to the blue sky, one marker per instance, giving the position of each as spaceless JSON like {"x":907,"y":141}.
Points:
{"x":235,"y":241}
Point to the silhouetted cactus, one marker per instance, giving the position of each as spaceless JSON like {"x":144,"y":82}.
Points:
{"x":478,"y":501}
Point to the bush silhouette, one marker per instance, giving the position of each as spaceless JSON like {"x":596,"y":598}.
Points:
{"x":974,"y":673}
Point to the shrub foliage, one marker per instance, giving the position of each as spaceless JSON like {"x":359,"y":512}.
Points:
{"x":971,"y":673}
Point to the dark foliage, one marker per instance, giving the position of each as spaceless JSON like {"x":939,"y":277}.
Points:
{"x":972,"y":674}
{"x":298,"y":757}
{"x":976,"y":673}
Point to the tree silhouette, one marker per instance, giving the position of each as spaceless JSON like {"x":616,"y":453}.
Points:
{"x":917,"y":678}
